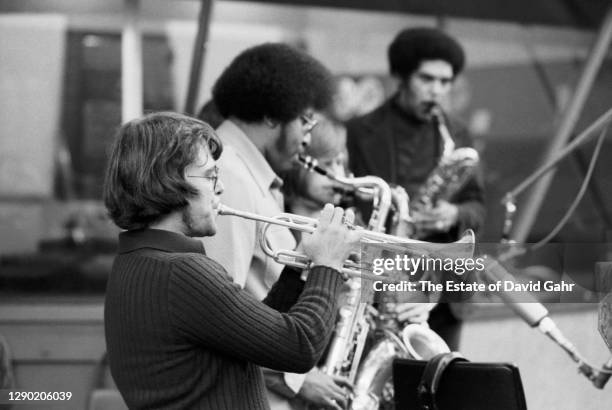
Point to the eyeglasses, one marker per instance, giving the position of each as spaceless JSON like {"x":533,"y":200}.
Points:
{"x":214,"y":177}
{"x":308,"y":122}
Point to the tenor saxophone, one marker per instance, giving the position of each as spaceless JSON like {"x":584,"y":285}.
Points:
{"x":454,"y":168}
{"x":350,"y":335}
{"x":371,"y":376}
{"x":373,"y":385}
{"x":353,"y":325}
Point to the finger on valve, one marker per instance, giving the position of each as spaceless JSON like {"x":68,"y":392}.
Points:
{"x":331,"y":242}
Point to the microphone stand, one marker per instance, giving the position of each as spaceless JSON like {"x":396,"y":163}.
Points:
{"x":537,"y":316}
{"x":509,"y":200}
{"x":598,"y":377}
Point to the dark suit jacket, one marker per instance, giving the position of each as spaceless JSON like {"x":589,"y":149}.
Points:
{"x":372,"y":151}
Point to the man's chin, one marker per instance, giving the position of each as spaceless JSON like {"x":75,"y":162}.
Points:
{"x":209,"y":231}
{"x":423,"y":115}
{"x":286,"y":166}
{"x":200,"y":233}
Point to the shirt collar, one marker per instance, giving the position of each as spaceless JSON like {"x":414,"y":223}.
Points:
{"x":263,"y":174}
{"x":162,"y":240}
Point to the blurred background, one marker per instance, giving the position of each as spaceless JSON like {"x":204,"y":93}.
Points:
{"x":61,"y":95}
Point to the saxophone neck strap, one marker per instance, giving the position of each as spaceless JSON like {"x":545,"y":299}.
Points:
{"x":430,"y":379}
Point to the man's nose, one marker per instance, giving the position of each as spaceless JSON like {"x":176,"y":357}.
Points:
{"x":338,"y":170}
{"x":438,"y":88}
{"x":306,"y":139}
{"x":219,"y":188}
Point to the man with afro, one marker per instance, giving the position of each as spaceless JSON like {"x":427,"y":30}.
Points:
{"x":400,"y":142}
{"x":267,"y":95}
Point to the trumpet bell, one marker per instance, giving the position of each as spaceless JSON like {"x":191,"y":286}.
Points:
{"x":462,"y":248}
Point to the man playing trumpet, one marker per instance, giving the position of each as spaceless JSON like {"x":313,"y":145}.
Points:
{"x":180,"y":333}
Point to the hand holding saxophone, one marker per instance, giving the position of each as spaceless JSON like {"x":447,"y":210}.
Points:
{"x":333,"y":239}
{"x":411,"y":312}
{"x":401,"y":224}
{"x":325,"y":391}
{"x":441,"y":218}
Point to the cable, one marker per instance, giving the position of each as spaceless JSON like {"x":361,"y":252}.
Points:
{"x":578,"y":198}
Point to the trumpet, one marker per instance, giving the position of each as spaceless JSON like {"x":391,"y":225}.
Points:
{"x":349,"y":268}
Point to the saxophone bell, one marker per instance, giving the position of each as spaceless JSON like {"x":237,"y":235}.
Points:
{"x":421,"y":342}
{"x":374,"y":384}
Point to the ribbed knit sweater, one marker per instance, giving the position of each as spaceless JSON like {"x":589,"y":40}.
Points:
{"x":181,"y":335}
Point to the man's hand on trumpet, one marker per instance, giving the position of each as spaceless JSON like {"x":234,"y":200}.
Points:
{"x":333,"y":239}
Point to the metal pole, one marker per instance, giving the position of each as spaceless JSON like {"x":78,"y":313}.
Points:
{"x":131,"y":63}
{"x":197,"y":61}
{"x":581,"y":138}
{"x":569,"y":118}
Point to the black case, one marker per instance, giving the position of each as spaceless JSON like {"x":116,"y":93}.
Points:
{"x":463,"y":386}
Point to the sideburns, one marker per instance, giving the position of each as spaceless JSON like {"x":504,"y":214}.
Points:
{"x":283,"y":141}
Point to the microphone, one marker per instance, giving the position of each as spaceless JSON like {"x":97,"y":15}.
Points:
{"x":601,"y":122}
{"x":602,"y":377}
{"x":605,"y":329}
{"x":536,"y":315}
{"x":510,"y":207}
{"x":531,"y":311}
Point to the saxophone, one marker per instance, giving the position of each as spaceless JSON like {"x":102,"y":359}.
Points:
{"x":371,"y":187}
{"x":350,"y":335}
{"x":353,"y":325}
{"x":455,"y":167}
{"x":373,"y":385}
{"x":372,"y":376}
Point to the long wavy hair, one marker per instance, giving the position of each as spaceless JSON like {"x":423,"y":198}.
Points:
{"x":145,"y":174}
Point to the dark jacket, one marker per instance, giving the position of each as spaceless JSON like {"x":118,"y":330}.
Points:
{"x":373,"y":150}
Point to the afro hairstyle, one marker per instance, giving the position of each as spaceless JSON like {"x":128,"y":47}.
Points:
{"x":412,"y":46}
{"x":275,"y":81}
